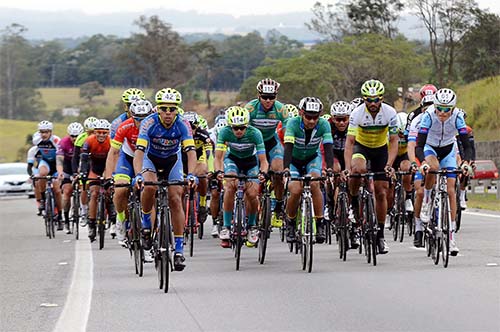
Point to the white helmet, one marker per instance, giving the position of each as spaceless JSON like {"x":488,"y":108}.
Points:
{"x":445,"y":97}
{"x":45,"y":125}
{"x":311,"y":104}
{"x":341,"y":108}
{"x":220,"y":124}
{"x":356,"y":102}
{"x":192,"y":118}
{"x":75,"y":129}
{"x":402,"y":119}
{"x":141,"y":108}
{"x":89,"y":123}
{"x":102,"y":124}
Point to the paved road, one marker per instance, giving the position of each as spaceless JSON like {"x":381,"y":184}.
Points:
{"x":404,"y":292}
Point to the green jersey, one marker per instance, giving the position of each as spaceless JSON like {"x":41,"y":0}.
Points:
{"x":81,"y":139}
{"x":250,"y":144}
{"x":266,"y":122}
{"x":306,"y":147}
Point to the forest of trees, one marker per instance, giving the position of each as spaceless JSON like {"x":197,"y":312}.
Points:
{"x":360,"y":42}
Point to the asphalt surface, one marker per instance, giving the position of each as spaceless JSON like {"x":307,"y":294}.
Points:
{"x":97,"y":290}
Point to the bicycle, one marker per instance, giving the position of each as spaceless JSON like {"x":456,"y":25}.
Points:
{"x":341,"y":220}
{"x":101,"y":209}
{"x":192,"y":225}
{"x":264,"y":217}
{"x":306,"y":225}
{"x":437,"y":233}
{"x":75,"y":208}
{"x":239,"y":227}
{"x":368,"y":222}
{"x":398,"y":216}
{"x":134,"y":233}
{"x":163,"y":236}
{"x":49,"y":215}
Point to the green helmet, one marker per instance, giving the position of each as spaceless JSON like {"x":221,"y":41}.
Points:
{"x":89,"y":123}
{"x":237,"y":116}
{"x":291,"y":110}
{"x":202,"y":122}
{"x":180,"y":111}
{"x":326,"y":116}
{"x":372,"y":88}
{"x":168,"y":96}
{"x":131,"y":95}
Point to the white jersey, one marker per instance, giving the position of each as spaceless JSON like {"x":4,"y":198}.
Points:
{"x":440,"y":133}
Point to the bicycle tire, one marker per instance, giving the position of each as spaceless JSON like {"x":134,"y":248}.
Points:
{"x":101,"y":221}
{"x":395,"y":225}
{"x":343,"y":219}
{"x":169,"y":238}
{"x":49,"y":214}
{"x":402,"y":230}
{"x":410,"y":223}
{"x":264,"y":223}
{"x":76,"y":215}
{"x":445,"y":232}
{"x":192,"y":227}
{"x":428,"y":244}
{"x":160,"y":236}
{"x":310,"y":235}
{"x":239,"y":240}
{"x":136,"y":241}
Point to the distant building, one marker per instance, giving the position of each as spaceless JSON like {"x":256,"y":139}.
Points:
{"x":71,"y":111}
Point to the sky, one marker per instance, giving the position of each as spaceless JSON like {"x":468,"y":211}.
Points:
{"x":233,"y":7}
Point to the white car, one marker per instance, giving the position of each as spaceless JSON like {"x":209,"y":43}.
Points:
{"x":14,"y":180}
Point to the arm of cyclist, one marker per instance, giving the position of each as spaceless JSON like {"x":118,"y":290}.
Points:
{"x":59,"y":166}
{"x":76,"y":159}
{"x":348,"y":149}
{"x":111,"y":161}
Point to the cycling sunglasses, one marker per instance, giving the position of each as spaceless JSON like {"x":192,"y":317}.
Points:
{"x":444,"y":109}
{"x":168,"y":108}
{"x":101,"y":132}
{"x":309,"y":117}
{"x":239,"y":128}
{"x":45,"y":131}
{"x":373,"y":100}
{"x":73,"y":136}
{"x":268,"y":97}
{"x":341,"y":119}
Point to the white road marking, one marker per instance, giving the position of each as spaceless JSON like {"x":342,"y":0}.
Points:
{"x":75,"y":314}
{"x":482,"y":214}
{"x":62,"y":263}
{"x":49,"y":305}
{"x":66,"y":241}
{"x":492,"y":264}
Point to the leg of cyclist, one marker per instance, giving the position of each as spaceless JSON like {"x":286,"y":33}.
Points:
{"x":419,"y":197}
{"x":390,"y":202}
{"x":292,"y":205}
{"x":405,"y":167}
{"x":314,"y":168}
{"x":430,"y":179}
{"x":147,"y":201}
{"x":276,"y":165}
{"x":251,"y":206}
{"x":201,"y":170}
{"x":228,"y":206}
{"x":214,"y":205}
{"x":94,"y":193}
{"x":67,"y":189}
{"x":56,"y":185}
{"x":463,"y":188}
{"x":381,"y":188}
{"x":43,"y":170}
{"x":120,"y":199}
{"x":84,"y":201}
{"x":175,"y":195}
{"x":358,"y":166}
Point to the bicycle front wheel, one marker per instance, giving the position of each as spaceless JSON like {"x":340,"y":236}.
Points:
{"x":192,"y":227}
{"x":49,"y":215}
{"x":264,"y":225}
{"x":167,"y":251}
{"x":76,"y":215}
{"x":445,"y":233}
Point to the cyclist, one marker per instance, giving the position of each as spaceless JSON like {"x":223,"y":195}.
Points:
{"x":88,"y":125}
{"x":303,"y":137}
{"x":465,"y":179}
{"x":356,"y":102}
{"x":94,"y":153}
{"x":427,"y":98}
{"x":265,"y":114}
{"x":240,"y":150}
{"x":402,"y":163}
{"x":128,"y":97}
{"x":366,"y":141}
{"x":161,"y":137}
{"x":120,"y":159}
{"x":64,"y":169}
{"x":47,"y":145}
{"x":292,"y":111}
{"x":203,"y":145}
{"x":32,"y":159}
{"x":436,"y":149}
{"x":215,"y":185}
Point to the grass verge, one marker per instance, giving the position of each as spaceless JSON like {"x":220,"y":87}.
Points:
{"x":483,"y":201}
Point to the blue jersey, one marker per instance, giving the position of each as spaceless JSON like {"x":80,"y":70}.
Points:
{"x":116,"y":123}
{"x":442,"y":133}
{"x":155,"y":139}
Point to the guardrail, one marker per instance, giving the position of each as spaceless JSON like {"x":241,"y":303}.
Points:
{"x":487,"y":184}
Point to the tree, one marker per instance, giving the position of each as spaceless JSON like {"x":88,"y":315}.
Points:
{"x":18,"y":76}
{"x":446,"y":23}
{"x":280,"y":46}
{"x":206,"y":56}
{"x":157,"y":54}
{"x":356,"y":17}
{"x":90,"y":90}
{"x":479,"y":50}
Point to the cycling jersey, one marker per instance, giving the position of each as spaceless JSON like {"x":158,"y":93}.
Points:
{"x":249,"y":145}
{"x":97,"y":153}
{"x":66,"y":149}
{"x":266,"y":121}
{"x":161,"y":142}
{"x":81,"y":139}
{"x":306,"y":146}
{"x":412,"y":115}
{"x":126,"y":137}
{"x":202,"y":143}
{"x":372,"y":132}
{"x":116,"y":123}
{"x":47,"y":148}
{"x":439,"y":133}
{"x":338,"y":139}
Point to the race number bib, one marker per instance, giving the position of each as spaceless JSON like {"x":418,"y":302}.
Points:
{"x":266,"y":88}
{"x":168,"y":97}
{"x":312,"y":107}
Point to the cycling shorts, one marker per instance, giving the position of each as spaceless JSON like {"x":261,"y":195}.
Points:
{"x":446,"y":156}
{"x":124,"y":167}
{"x":376,"y":159}
{"x":247,"y":166}
{"x":310,"y":166}
{"x":51,"y":166}
{"x":169,"y":168}
{"x":274,"y":149}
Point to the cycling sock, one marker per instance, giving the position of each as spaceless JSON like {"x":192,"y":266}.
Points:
{"x":252,"y":217}
{"x":92,"y":223}
{"x":179,"y":243}
{"x":380,"y":232}
{"x":203,"y":200}
{"x":427,"y":195}
{"x":453,"y":226}
{"x":462,"y":195}
{"x":120,"y":216}
{"x":418,"y":225}
{"x":146,"y":219}
{"x":228,"y":216}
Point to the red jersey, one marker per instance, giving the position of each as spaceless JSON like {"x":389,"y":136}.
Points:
{"x":126,"y":137}
{"x":98,"y":152}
